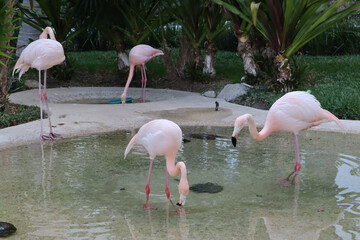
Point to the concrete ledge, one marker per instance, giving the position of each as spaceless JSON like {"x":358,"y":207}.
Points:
{"x":184,"y":108}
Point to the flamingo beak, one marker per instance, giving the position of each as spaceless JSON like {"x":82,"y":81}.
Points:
{"x":233,"y":140}
{"x":181,"y":201}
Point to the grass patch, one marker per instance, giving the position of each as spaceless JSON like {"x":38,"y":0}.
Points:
{"x":15,"y":114}
{"x":333,"y":80}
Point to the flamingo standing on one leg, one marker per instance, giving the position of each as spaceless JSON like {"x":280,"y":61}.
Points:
{"x":293,"y":112}
{"x":139,"y":55}
{"x":41,"y":54}
{"x":162,"y":137}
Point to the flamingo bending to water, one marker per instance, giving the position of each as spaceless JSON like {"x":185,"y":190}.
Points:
{"x":162,"y":137}
{"x":41,"y":54}
{"x":139,"y":55}
{"x":294,"y":112}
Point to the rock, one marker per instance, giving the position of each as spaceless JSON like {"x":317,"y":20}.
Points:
{"x":233,"y":91}
{"x":206,"y":188}
{"x":32,"y":84}
{"x":6,"y":229}
{"x":204,"y":136}
{"x":210,"y":94}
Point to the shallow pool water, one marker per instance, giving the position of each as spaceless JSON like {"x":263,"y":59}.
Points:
{"x":83,"y":188}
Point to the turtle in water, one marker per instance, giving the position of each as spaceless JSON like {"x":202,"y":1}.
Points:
{"x":6,"y":229}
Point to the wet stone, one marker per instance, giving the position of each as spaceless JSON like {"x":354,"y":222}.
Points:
{"x":206,"y":188}
{"x":204,"y":136}
{"x":6,"y":229}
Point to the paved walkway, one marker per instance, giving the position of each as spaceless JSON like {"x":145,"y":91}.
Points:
{"x":75,"y":119}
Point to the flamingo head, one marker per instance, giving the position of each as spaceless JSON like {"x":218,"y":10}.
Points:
{"x":157,"y":52}
{"x":183,"y":191}
{"x":238,"y":125}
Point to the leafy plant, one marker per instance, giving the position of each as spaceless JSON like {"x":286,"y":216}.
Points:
{"x":290,"y":24}
{"x":17,"y":114}
{"x":7,"y":27}
{"x":343,"y":38}
{"x":58,"y":14}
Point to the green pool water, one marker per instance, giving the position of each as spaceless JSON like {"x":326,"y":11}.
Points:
{"x":83,"y":188}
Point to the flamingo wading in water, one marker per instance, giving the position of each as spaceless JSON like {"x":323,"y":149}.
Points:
{"x":294,"y":112}
{"x":41,"y":54}
{"x":139,"y":55}
{"x":162,"y":137}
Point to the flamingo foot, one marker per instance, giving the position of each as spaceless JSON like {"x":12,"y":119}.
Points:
{"x":147,"y":206}
{"x":179,"y":212}
{"x":285,"y":182}
{"x":46,"y":138}
{"x":55,"y":135}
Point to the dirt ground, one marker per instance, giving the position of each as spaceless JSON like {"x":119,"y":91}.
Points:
{"x":111,"y":79}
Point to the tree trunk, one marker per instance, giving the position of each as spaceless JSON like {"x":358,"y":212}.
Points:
{"x":171,"y":71}
{"x":197,"y":56}
{"x":246,"y":52}
{"x":5,"y":60}
{"x":284,"y":71}
{"x":210,"y":51}
{"x":184,"y":54}
{"x":122,"y":58}
{"x":3,"y":82}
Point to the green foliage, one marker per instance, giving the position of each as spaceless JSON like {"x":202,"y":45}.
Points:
{"x":18,"y":114}
{"x":332,"y":80}
{"x":58,"y":14}
{"x":195,"y":74}
{"x":189,"y":14}
{"x":343,"y":38}
{"x":7,"y":25}
{"x":335,"y":83}
{"x":288,"y":25}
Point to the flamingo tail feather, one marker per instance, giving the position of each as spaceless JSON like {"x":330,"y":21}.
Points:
{"x":130,"y":145}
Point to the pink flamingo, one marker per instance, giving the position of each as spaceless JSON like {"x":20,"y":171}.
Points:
{"x":41,"y":54}
{"x":139,"y":55}
{"x":162,"y":137}
{"x":293,"y":112}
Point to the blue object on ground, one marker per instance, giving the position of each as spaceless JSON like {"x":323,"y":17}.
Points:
{"x":118,"y":100}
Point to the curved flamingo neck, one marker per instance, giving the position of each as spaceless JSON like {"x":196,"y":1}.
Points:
{"x":258,"y":136}
{"x":47,"y":31}
{"x":174,"y":171}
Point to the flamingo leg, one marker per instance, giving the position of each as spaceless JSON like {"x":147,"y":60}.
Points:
{"x":167,"y":186}
{"x":52,"y":134}
{"x":143,"y":82}
{"x":42,"y":136}
{"x":147,"y":187}
{"x":167,"y":189}
{"x":286,"y":181}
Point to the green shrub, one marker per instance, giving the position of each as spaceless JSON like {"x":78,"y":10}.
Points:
{"x":17,"y":114}
{"x":343,"y":38}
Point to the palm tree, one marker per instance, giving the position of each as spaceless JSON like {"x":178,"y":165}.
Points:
{"x":240,"y":14}
{"x":7,"y":28}
{"x":189,"y":14}
{"x":290,"y":24}
{"x":57,"y":14}
{"x":215,"y":26}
